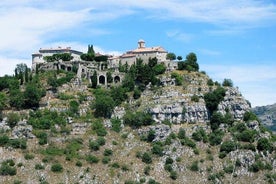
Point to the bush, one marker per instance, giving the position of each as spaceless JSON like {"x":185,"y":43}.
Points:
{"x":157,"y":149}
{"x":146,"y":158}
{"x":29,"y":156}
{"x":200,"y":135}
{"x":227,"y":82}
{"x":264,"y":144}
{"x":181,"y":134}
{"x":215,"y":137}
{"x":98,"y":127}
{"x":18,"y":143}
{"x":116,"y":125}
{"x":106,"y":160}
{"x":212,"y":99}
{"x":108,"y":152}
{"x":39,"y":167}
{"x":137,"y":119}
{"x":249,"y":116}
{"x":147,"y":170}
{"x":7,"y":169}
{"x":173,"y":175}
{"x":101,"y":141}
{"x":43,"y":138}
{"x":228,"y":146}
{"x":194,"y":166}
{"x":195,"y":98}
{"x":228,"y":169}
{"x":93,"y":145}
{"x":178,"y":78}
{"x":92,"y":159}
{"x":4,"y":139}
{"x":13,"y":118}
{"x":188,"y":142}
{"x":57,"y":167}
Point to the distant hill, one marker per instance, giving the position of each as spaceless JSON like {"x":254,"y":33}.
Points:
{"x":267,"y":114}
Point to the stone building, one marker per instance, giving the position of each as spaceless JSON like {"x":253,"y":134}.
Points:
{"x":38,"y":58}
{"x":143,"y":53}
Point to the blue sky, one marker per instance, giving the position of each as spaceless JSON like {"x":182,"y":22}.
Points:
{"x":232,"y":38}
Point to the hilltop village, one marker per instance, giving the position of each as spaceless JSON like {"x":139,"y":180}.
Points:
{"x":68,"y":59}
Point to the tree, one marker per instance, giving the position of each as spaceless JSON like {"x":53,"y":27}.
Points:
{"x":227,"y":82}
{"x":3,"y":101}
{"x":32,"y":95}
{"x":191,"y":60}
{"x":179,"y":58}
{"x":94,"y":80}
{"x":264,"y":144}
{"x":103,"y":106}
{"x":109,"y":77}
{"x":152,"y":62}
{"x":171,"y":56}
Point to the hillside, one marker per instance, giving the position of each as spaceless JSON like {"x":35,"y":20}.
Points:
{"x":267,"y":115}
{"x":154,"y":127}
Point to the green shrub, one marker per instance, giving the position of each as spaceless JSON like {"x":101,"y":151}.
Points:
{"x":227,"y":82}
{"x":249,"y":116}
{"x":178,"y":78}
{"x":147,"y":170}
{"x":7,"y":169}
{"x":200,"y":135}
{"x":56,"y":167}
{"x":92,"y":159}
{"x":215,"y":137}
{"x":39,"y":167}
{"x":29,"y":156}
{"x":229,"y":169}
{"x":194,"y":166}
{"x":169,"y":160}
{"x":228,"y":146}
{"x":79,"y":163}
{"x":181,"y":133}
{"x":157,"y":149}
{"x":168,"y":167}
{"x":264,"y":144}
{"x":98,"y":127}
{"x":146,"y":158}
{"x":13,"y":118}
{"x":188,"y":142}
{"x":137,"y":119}
{"x":108,"y":152}
{"x":212,"y":99}
{"x":106,"y":160}
{"x":4,"y":139}
{"x":115,"y":165}
{"x":43,"y":138}
{"x":173,"y":175}
{"x":93,"y":145}
{"x":52,"y":150}
{"x":151,"y":135}
{"x":116,"y":125}
{"x":100,"y":141}
{"x":195,"y":98}
{"x":18,"y":143}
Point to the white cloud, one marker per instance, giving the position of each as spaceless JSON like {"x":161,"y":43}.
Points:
{"x":176,"y":34}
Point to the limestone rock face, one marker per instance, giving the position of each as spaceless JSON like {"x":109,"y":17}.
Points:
{"x":177,"y":107}
{"x":235,"y":103}
{"x":22,"y":130}
{"x":161,"y":131}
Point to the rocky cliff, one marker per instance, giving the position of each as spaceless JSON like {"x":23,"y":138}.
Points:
{"x":267,"y":115}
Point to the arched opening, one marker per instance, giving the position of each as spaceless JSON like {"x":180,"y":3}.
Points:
{"x":117,"y":79}
{"x":69,"y":68}
{"x":102,"y":79}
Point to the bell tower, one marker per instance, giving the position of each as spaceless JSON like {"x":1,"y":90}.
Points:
{"x":141,"y":44}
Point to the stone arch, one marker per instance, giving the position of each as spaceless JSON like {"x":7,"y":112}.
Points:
{"x":69,"y":68}
{"x":117,"y":79}
{"x":102,"y":79}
